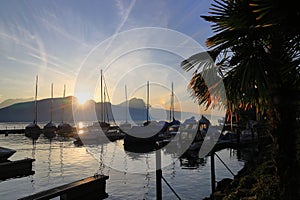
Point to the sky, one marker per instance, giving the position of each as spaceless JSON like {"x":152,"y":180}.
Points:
{"x":70,"y":41}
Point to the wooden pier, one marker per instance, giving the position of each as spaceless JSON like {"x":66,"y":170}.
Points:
{"x":18,"y":168}
{"x":12,"y":131}
{"x":89,"y":188}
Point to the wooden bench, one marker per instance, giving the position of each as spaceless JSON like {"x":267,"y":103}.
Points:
{"x":89,"y":188}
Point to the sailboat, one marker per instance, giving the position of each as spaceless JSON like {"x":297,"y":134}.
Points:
{"x":101,"y":130}
{"x":50,"y":128}
{"x":144,"y":136}
{"x":64,"y":129}
{"x":33,"y":130}
{"x":125,"y":126}
{"x":173,"y":124}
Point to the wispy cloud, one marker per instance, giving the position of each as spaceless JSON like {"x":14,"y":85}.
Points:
{"x":62,"y":32}
{"x":124,"y":12}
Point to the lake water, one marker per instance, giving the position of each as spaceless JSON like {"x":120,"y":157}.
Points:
{"x":131,"y":176}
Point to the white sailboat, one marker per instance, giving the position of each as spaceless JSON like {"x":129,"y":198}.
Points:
{"x":33,"y":130}
{"x":50,"y":128}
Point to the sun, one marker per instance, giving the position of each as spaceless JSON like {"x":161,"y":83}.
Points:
{"x":82,"y":98}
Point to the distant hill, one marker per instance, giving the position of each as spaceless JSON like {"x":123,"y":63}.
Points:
{"x":9,"y":102}
{"x":24,"y":112}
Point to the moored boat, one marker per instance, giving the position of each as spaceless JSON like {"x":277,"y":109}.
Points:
{"x":126,"y":125}
{"x":5,"y":153}
{"x":64,"y":129}
{"x":50,"y":128}
{"x":144,"y":136}
{"x":102,"y":130}
{"x":33,"y":130}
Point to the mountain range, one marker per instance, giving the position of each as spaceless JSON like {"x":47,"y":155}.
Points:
{"x":9,"y":102}
{"x":68,"y":109}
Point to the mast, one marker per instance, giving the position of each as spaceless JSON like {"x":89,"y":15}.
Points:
{"x":126,"y":105}
{"x":35,"y":102}
{"x":101,"y":93}
{"x":172,"y":104}
{"x":105,"y":108}
{"x":147,"y":102}
{"x":51,"y":107}
{"x":63,"y":107}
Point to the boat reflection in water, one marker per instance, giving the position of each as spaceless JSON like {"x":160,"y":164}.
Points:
{"x":191,"y":160}
{"x":127,"y":171}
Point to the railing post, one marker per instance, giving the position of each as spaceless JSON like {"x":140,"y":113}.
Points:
{"x":213,"y":175}
{"x":158,"y":175}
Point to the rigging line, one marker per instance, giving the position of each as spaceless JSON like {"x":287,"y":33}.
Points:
{"x":126,"y":109}
{"x":178,"y":197}
{"x":172,"y":104}
{"x":101,"y":94}
{"x":106,"y":88}
{"x":51,"y":108}
{"x":224,"y":164}
{"x":35,"y":102}
{"x":105,"y":108}
{"x":148,"y":92}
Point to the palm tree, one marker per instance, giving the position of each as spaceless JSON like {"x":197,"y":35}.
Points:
{"x":256,"y":53}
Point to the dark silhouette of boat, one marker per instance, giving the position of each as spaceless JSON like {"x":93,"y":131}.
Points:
{"x":50,"y":128}
{"x":126,"y":125}
{"x":64,"y":129}
{"x":144,"y":136}
{"x":33,"y":130}
{"x":5,"y":153}
{"x":102,"y":130}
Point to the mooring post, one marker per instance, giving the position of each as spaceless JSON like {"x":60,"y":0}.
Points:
{"x":158,"y":175}
{"x":213,"y":175}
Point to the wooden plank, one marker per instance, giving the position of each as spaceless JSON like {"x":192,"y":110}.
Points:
{"x":18,"y":168}
{"x":91,"y":187}
{"x":12,"y":131}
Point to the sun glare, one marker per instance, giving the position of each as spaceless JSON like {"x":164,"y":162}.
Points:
{"x":82,"y":98}
{"x":80,"y":125}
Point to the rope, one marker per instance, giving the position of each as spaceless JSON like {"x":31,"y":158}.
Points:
{"x":170,"y":187}
{"x":224,"y":164}
{"x":105,"y":88}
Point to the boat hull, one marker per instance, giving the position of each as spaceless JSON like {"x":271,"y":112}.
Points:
{"x":5,"y":153}
{"x":33,"y":131}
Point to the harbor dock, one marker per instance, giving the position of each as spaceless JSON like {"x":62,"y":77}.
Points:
{"x":18,"y":168}
{"x":88,"y":188}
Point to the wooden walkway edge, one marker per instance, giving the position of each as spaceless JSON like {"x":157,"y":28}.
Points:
{"x":88,"y":188}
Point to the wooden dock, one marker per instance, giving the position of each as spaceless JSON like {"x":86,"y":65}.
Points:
{"x":18,"y":168}
{"x":12,"y":131}
{"x":89,"y":188}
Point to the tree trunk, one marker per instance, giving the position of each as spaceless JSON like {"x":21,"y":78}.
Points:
{"x":287,"y":134}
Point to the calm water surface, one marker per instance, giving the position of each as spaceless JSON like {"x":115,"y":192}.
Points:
{"x":130,"y":176}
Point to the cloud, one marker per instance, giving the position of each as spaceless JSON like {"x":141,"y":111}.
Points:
{"x":124,"y":12}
